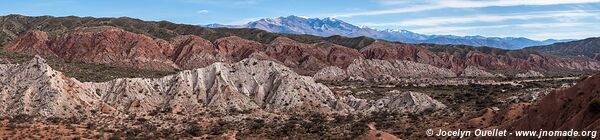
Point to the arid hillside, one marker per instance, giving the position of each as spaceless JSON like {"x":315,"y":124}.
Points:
{"x":165,"y":46}
{"x":109,"y":78}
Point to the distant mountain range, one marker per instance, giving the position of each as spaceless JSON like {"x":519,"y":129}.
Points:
{"x":588,"y":47}
{"x":331,"y":26}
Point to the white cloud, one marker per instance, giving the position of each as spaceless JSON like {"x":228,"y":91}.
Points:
{"x":540,"y":30}
{"x":563,"y":16}
{"x":202,"y":11}
{"x":440,"y":4}
{"x":526,"y":25}
{"x":395,"y":2}
{"x":565,"y":35}
{"x":553,"y":25}
{"x":451,"y":29}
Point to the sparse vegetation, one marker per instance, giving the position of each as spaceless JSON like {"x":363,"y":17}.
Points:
{"x":165,"y":122}
{"x":85,"y":72}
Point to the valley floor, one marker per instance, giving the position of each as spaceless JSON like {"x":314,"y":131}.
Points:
{"x":464,"y":101}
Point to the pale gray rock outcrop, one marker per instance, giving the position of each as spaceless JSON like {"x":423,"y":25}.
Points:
{"x":472,"y":71}
{"x":396,"y":101}
{"x":33,"y":88}
{"x":331,"y":73}
{"x":246,"y":85}
{"x":383,"y":70}
{"x":395,"y":68}
{"x":530,"y":73}
{"x":411,"y":102}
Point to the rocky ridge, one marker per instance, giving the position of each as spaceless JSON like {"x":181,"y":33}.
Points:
{"x":115,"y":46}
{"x":458,"y":58}
{"x":249,"y":85}
{"x":579,"y":109}
{"x":568,"y":108}
{"x":36,"y":89}
{"x":383,"y":70}
{"x":404,"y":102}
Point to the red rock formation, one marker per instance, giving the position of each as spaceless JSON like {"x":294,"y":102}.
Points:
{"x":236,"y":48}
{"x":484,"y":60}
{"x":32,"y":42}
{"x":490,"y":118}
{"x":110,"y":45}
{"x":386,"y":51}
{"x":309,"y":58}
{"x":575,"y":108}
{"x":412,"y":52}
{"x":191,"y":51}
{"x":339,"y":55}
{"x":166,"y":48}
{"x":302,"y":57}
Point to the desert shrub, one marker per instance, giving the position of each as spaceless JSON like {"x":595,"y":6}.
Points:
{"x":289,"y":127}
{"x":358,"y":129}
{"x":487,"y":101}
{"x":54,"y":120}
{"x":256,"y":124}
{"x":166,"y":132}
{"x":11,"y":126}
{"x":317,"y":124}
{"x":194,"y":130}
{"x":217,"y":130}
{"x":343,"y":119}
{"x":21,"y":118}
{"x":115,"y":137}
{"x":235,"y":111}
{"x":595,"y":106}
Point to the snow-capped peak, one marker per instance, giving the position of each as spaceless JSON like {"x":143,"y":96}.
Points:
{"x":328,"y":26}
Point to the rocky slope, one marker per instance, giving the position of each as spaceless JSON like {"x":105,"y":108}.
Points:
{"x":171,"y":47}
{"x":580,"y":48}
{"x":35,"y":89}
{"x":33,"y":42}
{"x":472,"y":71}
{"x":109,"y":45}
{"x":403,"y":102}
{"x":571,"y":108}
{"x":190,"y":51}
{"x":497,"y":60}
{"x":575,"y":108}
{"x":247,"y":85}
{"x":234,"y":48}
{"x":113,"y":46}
{"x":383,"y":70}
{"x":102,"y":45}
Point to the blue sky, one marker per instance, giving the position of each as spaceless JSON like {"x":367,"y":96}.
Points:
{"x":536,"y":19}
